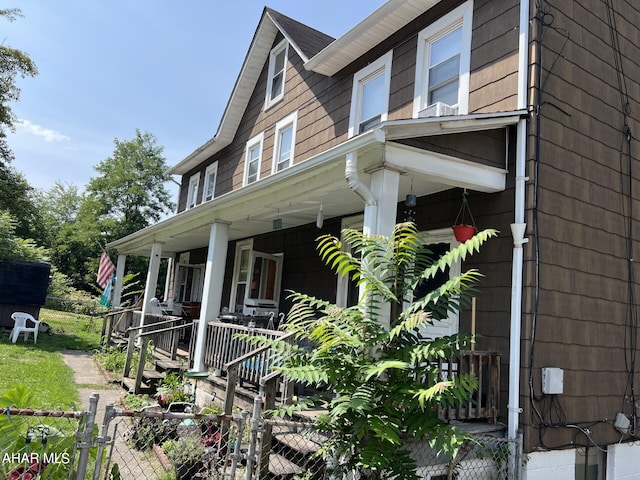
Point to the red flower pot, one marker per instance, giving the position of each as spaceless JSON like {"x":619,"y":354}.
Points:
{"x":464,"y":232}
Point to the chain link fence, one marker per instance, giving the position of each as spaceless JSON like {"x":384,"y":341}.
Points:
{"x":39,"y":443}
{"x":484,"y":457}
{"x":167,"y":445}
{"x":164,"y":445}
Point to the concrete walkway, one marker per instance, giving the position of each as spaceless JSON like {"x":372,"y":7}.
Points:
{"x":90,"y":380}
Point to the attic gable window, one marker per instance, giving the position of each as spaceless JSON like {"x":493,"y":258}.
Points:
{"x":370,"y":95}
{"x":443,"y":64}
{"x":210,"y":176}
{"x":285,"y":142}
{"x":253,"y":159}
{"x":192,"y":195}
{"x":277,"y":70}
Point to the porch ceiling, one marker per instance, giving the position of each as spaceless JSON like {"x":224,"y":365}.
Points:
{"x":295,"y":194}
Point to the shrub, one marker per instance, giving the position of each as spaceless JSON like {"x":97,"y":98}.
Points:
{"x":378,"y":372}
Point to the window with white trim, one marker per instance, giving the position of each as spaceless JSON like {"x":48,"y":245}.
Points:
{"x":253,"y":159}
{"x":256,"y":275}
{"x":241,"y":270}
{"x":210,"y":176}
{"x":192,"y":195}
{"x":285,"y":142}
{"x":370,"y":95}
{"x":277,"y":71}
{"x":443,"y":63}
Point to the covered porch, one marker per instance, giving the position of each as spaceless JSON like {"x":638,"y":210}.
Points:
{"x":361,"y":183}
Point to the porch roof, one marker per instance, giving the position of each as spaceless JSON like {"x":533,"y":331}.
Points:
{"x":295,"y":194}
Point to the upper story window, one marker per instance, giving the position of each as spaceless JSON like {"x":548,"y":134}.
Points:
{"x":277,"y":70}
{"x":370,"y":95}
{"x":210,"y":176}
{"x":443,"y":63}
{"x":253,"y":159}
{"x":285,"y":142}
{"x":192,"y":195}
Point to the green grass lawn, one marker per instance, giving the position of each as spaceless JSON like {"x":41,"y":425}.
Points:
{"x":40,"y":367}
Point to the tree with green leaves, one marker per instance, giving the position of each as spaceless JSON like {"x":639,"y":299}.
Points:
{"x":130,"y":193}
{"x":13,"y":64}
{"x":382,"y":386}
{"x":14,"y":247}
{"x":17,"y":198}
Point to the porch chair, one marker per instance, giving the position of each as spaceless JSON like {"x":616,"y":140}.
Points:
{"x":20,"y":326}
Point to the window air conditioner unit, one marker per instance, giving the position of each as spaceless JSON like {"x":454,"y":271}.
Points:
{"x":438,"y":109}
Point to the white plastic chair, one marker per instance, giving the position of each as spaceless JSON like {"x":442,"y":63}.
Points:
{"x":20,"y":326}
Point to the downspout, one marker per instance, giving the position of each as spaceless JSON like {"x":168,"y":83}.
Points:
{"x":354,"y":182}
{"x":518,"y":229}
{"x":363,"y":191}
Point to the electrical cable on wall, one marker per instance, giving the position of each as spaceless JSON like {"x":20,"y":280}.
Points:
{"x":546,"y":409}
{"x":626,"y":198}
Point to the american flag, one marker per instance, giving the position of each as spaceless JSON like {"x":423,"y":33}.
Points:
{"x":105,"y":270}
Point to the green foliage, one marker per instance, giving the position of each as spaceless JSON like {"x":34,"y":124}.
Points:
{"x":17,"y":436}
{"x":383,"y":384}
{"x":137,"y":402}
{"x":12,"y":247}
{"x":172,"y":389}
{"x":13,"y":64}
{"x":129,"y":192}
{"x":149,"y":431}
{"x":113,"y":358}
{"x":185,"y":450}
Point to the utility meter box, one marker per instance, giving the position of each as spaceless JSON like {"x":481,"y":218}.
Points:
{"x":552,"y":380}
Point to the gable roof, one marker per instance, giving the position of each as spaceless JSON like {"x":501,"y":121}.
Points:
{"x":319,"y":52}
{"x":305,"y":40}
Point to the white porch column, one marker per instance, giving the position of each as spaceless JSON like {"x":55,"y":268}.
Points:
{"x":380,"y":219}
{"x":212,"y":291}
{"x":117,"y":288}
{"x":167,"y":282}
{"x":152,"y":279}
{"x":385,"y":184}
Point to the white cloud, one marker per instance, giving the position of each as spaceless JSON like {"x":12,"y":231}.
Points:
{"x":46,"y":133}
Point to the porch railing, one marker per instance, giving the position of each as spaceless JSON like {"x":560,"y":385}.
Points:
{"x":222,"y":347}
{"x":118,"y":320}
{"x":484,"y":403}
{"x":163,"y":330}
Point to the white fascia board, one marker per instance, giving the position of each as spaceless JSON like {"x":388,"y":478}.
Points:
{"x":446,"y":169}
{"x":424,"y":127}
{"x":383,"y":22}
{"x":204,"y":210}
{"x":239,"y":99}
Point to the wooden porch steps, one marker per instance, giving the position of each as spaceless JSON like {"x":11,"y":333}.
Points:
{"x":130,"y":383}
{"x":299,"y":450}
{"x":282,"y":468}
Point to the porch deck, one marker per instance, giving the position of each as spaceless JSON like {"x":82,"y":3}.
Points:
{"x":225,"y":352}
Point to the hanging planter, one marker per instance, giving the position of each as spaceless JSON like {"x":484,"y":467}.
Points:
{"x":462,"y":230}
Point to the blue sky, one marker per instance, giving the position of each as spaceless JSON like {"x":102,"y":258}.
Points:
{"x":109,"y":67}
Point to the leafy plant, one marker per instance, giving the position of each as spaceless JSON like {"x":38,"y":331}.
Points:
{"x":172,"y":389}
{"x":379,"y":372}
{"x":149,"y":431}
{"x":186,"y":454}
{"x":17,"y":437}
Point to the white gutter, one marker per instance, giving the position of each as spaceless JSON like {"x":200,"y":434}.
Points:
{"x":518,"y":229}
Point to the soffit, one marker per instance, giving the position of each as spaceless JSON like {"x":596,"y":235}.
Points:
{"x":383,"y":22}
{"x":294,"y":195}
